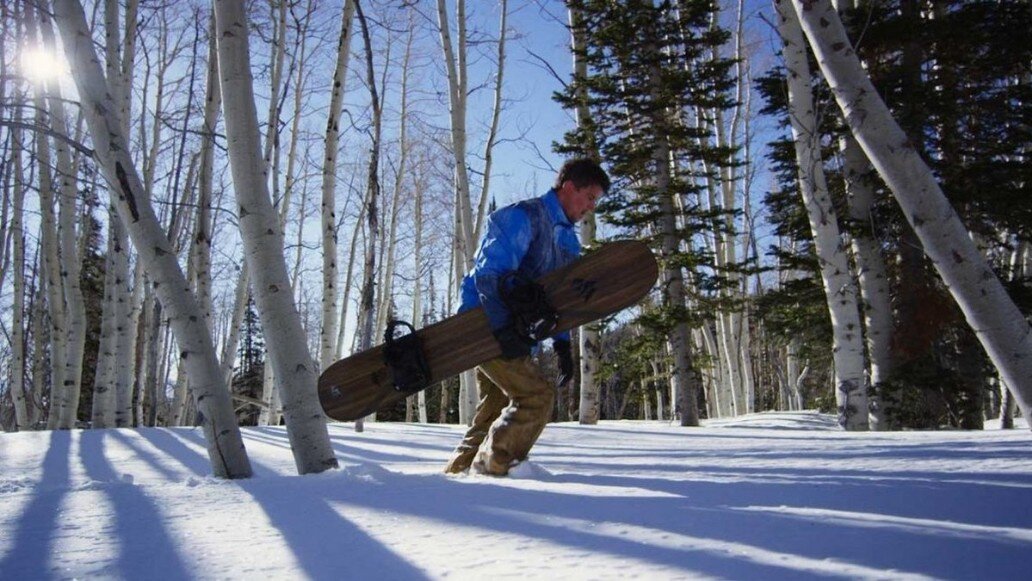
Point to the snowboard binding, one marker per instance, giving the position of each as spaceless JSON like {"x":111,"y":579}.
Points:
{"x":405,"y":358}
{"x":534,"y":318}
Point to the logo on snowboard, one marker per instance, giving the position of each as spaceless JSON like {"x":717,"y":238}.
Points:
{"x":585,"y":288}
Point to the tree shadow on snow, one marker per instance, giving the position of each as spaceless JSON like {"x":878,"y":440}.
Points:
{"x":326,"y":545}
{"x":32,"y":534}
{"x":707,"y":519}
{"x":145,"y":549}
{"x":901,"y":520}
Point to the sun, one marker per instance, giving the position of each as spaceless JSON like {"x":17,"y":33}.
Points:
{"x":41,"y":65}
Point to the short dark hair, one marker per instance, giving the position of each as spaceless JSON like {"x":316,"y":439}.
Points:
{"x":583,"y":172}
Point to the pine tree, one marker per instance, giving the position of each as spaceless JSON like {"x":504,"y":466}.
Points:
{"x":650,"y":76}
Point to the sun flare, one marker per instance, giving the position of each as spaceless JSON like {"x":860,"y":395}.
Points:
{"x":41,"y":65}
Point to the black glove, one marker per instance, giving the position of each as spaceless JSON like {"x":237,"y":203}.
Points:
{"x":564,"y":352}
{"x":513,"y":344}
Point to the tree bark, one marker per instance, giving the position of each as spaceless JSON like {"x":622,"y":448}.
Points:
{"x":839,"y":288}
{"x":295,"y":370}
{"x":75,"y":330}
{"x":589,"y":346}
{"x":50,"y":261}
{"x":18,"y":393}
{"x":328,"y":332}
{"x":998,"y":323}
{"x":871,"y":272}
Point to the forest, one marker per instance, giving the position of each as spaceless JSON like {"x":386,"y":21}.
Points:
{"x":203,"y":205}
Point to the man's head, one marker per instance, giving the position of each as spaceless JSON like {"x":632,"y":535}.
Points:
{"x":581,"y":182}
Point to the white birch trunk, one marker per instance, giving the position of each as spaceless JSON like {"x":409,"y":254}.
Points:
{"x":225,"y":447}
{"x":278,"y":15}
{"x":126,"y":323}
{"x":51,"y":272}
{"x":387,"y":280}
{"x":997,"y":322}
{"x":387,"y":288}
{"x":200,"y":249}
{"x":496,"y":110}
{"x":682,"y":382}
{"x":367,"y":302}
{"x":589,"y":410}
{"x":18,"y":394}
{"x":328,"y":332}
{"x":228,"y":359}
{"x":839,"y":288}
{"x":465,"y":235}
{"x":871,"y":272}
{"x":119,"y":74}
{"x":292,"y":363}
{"x":75,"y":321}
{"x":345,"y":300}
{"x":417,"y":291}
{"x":589,"y":347}
{"x":455,"y":64}
{"x":104,"y":392}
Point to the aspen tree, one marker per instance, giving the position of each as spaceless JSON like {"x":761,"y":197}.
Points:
{"x":465,"y":235}
{"x":200,"y":247}
{"x":588,"y":338}
{"x":328,"y":331}
{"x":50,"y":262}
{"x":18,"y":394}
{"x":364,"y":333}
{"x":839,"y":288}
{"x":75,"y":330}
{"x":295,"y":369}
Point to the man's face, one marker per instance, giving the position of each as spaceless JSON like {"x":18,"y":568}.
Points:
{"x":577,"y":202}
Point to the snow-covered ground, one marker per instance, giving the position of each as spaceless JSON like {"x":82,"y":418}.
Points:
{"x":769,"y":496}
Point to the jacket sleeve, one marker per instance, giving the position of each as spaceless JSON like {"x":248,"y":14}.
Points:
{"x":505,"y":243}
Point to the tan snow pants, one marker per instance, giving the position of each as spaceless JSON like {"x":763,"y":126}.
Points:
{"x":515,"y":404}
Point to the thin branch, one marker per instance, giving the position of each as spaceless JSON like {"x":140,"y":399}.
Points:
{"x":547,"y":65}
{"x":47,"y":131}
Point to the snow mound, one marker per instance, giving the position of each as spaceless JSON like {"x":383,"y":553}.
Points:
{"x":529,"y":470}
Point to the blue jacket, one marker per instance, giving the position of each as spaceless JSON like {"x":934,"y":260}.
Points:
{"x":533,"y":237}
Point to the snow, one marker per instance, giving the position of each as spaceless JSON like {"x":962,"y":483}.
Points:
{"x":767,"y":496}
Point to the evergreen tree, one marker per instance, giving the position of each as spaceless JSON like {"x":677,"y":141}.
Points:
{"x":652,"y":81}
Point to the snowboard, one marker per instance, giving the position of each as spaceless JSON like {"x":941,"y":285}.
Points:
{"x":603,"y":282}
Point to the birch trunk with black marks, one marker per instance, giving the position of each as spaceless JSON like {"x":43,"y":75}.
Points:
{"x":200,"y":248}
{"x":328,"y":332}
{"x":871,"y":273}
{"x":18,"y":393}
{"x":465,"y":235}
{"x":839,"y":287}
{"x":367,"y":302}
{"x":50,"y":262}
{"x":225,"y":446}
{"x":997,"y":322}
{"x":588,"y":411}
{"x":293,"y":365}
{"x":75,"y":330}
{"x":122,"y":353}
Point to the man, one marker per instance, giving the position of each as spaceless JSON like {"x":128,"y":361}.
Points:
{"x":530,"y":238}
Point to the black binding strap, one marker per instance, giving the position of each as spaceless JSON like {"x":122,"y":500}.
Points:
{"x":533,"y":317}
{"x":405,"y":358}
